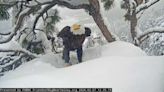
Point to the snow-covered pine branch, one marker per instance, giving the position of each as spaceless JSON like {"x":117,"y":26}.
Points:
{"x":18,"y":25}
{"x":20,"y":51}
{"x":31,"y":9}
{"x":14,"y":57}
{"x":135,"y":7}
{"x":10,"y":4}
{"x":41,"y":12}
{"x":145,"y":5}
{"x":13,"y":61}
{"x":67,"y":4}
{"x":150,"y":31}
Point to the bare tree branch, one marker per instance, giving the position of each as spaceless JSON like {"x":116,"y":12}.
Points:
{"x":143,"y":39}
{"x":5,"y":33}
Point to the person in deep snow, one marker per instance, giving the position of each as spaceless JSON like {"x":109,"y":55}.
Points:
{"x":73,"y":38}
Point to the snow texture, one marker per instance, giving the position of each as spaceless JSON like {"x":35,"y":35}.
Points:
{"x":13,"y":45}
{"x":151,"y":30}
{"x":118,"y":65}
{"x":137,"y":73}
{"x":145,"y":5}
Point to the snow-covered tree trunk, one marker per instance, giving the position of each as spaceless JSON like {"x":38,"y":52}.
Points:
{"x":99,"y":21}
{"x":134,"y":7}
{"x":95,"y":12}
{"x":133,"y":25}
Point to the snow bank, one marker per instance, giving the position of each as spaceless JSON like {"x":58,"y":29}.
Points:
{"x":118,"y":65}
{"x":120,"y":48}
{"x":144,"y":74}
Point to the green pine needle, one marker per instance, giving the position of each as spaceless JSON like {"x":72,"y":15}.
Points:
{"x":107,"y":4}
{"x":4,"y":14}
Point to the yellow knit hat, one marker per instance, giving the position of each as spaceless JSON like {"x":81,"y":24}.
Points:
{"x":76,"y":27}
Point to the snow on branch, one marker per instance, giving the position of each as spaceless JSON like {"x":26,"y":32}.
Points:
{"x":21,"y":51}
{"x":13,"y":61}
{"x":150,"y":31}
{"x":18,"y":24}
{"x":5,"y":33}
{"x":43,"y":1}
{"x":66,"y":3}
{"x":41,"y":12}
{"x":69,"y":5}
{"x":10,"y":4}
{"x":31,"y":9}
{"x":146,"y":5}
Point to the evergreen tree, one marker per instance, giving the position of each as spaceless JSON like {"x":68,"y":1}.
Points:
{"x":107,"y":4}
{"x":27,"y":16}
{"x":134,"y":8}
{"x":4,"y":14}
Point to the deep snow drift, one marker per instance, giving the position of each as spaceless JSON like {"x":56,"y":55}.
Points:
{"x":118,"y":65}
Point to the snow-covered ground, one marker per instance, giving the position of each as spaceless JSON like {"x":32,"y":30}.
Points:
{"x":118,"y":65}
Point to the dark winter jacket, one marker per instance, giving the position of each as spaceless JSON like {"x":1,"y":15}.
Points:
{"x":72,"y":41}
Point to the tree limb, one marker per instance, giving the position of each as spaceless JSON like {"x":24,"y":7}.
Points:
{"x":41,"y":14}
{"x":13,"y":61}
{"x":68,"y":5}
{"x":11,"y":4}
{"x":18,"y":25}
{"x":145,"y":6}
{"x":20,"y":51}
{"x":5,"y":33}
{"x":31,"y":10}
{"x":150,"y":31}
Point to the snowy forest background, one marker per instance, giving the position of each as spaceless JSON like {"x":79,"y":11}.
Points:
{"x":28,"y":29}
